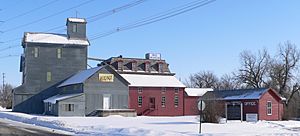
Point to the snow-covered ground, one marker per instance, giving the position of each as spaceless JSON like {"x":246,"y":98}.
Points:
{"x":154,"y":126}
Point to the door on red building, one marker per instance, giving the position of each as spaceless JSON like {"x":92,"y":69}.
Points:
{"x":152,"y":103}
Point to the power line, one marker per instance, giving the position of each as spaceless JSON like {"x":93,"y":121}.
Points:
{"x":152,"y":19}
{"x":101,"y":15}
{"x":9,"y":47}
{"x":30,"y":11}
{"x":8,"y":56}
{"x":113,"y":11}
{"x":95,"y":17}
{"x":41,"y":19}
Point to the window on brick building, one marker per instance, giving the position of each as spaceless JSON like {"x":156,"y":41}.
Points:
{"x":163,"y":101}
{"x":140,"y":90}
{"x":140,"y":101}
{"x":269,"y":108}
{"x":163,"y":90}
{"x":176,"y":90}
{"x":176,"y":101}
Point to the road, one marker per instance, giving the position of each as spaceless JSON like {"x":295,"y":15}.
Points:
{"x":9,"y":128}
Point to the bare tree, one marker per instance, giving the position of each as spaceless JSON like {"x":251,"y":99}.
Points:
{"x":6,"y":96}
{"x":283,"y":70}
{"x":229,"y":82}
{"x":205,"y":79}
{"x":253,"y":70}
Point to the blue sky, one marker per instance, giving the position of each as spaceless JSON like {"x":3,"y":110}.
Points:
{"x":207,"y":38}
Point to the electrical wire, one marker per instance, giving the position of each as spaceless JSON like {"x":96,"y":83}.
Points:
{"x":152,"y":19}
{"x":41,"y":19}
{"x":30,"y":11}
{"x":8,"y":56}
{"x":101,"y":15}
{"x":9,"y":47}
{"x":95,"y":17}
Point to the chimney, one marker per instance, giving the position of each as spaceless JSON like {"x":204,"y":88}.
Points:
{"x":76,"y":28}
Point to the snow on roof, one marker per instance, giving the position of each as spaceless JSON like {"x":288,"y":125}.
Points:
{"x":80,"y":77}
{"x":197,"y":91}
{"x":139,"y":80}
{"x":236,"y":94}
{"x":60,"y":97}
{"x":53,"y":38}
{"x":79,"y":20}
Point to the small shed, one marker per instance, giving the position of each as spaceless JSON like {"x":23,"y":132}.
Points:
{"x":191,"y":98}
{"x":65,"y":105}
{"x":248,"y":104}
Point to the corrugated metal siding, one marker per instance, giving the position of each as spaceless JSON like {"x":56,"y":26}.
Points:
{"x":79,"y":106}
{"x":74,"y":58}
{"x":94,"y":90}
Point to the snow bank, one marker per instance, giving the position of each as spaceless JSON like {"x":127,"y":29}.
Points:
{"x":155,"y":126}
{"x":4,"y":109}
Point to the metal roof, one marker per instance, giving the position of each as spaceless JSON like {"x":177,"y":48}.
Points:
{"x":235,"y":94}
{"x":60,"y":97}
{"x":80,"y":77}
{"x":31,"y":37}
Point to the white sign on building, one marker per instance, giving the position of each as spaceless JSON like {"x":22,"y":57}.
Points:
{"x":251,"y":117}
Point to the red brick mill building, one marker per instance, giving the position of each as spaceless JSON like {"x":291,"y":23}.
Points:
{"x":248,"y":104}
{"x":153,"y":89}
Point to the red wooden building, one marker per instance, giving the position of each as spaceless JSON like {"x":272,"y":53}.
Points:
{"x":155,"y":95}
{"x":252,"y":104}
{"x":191,"y":98}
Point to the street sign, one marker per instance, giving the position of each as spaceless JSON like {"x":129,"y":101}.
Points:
{"x":201,"y":108}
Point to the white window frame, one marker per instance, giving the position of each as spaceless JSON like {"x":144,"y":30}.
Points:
{"x":140,"y":101}
{"x":74,"y":28}
{"x":36,"y":52}
{"x":176,"y":90}
{"x":163,"y":101}
{"x":140,"y":90}
{"x":163,"y":90}
{"x":269,"y":107}
{"x":49,"y":77}
{"x":176,"y":101}
{"x":59,"y":53}
{"x":49,"y":107}
{"x":70,"y":107}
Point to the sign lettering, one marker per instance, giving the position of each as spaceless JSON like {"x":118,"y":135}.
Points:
{"x":249,"y":103}
{"x":106,"y":77}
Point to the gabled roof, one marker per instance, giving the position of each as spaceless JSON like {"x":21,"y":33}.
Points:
{"x":140,"y":80}
{"x":197,"y":91}
{"x":60,"y":97}
{"x":83,"y":75}
{"x":240,"y":94}
{"x":30,"y":37}
{"x":80,"y":77}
